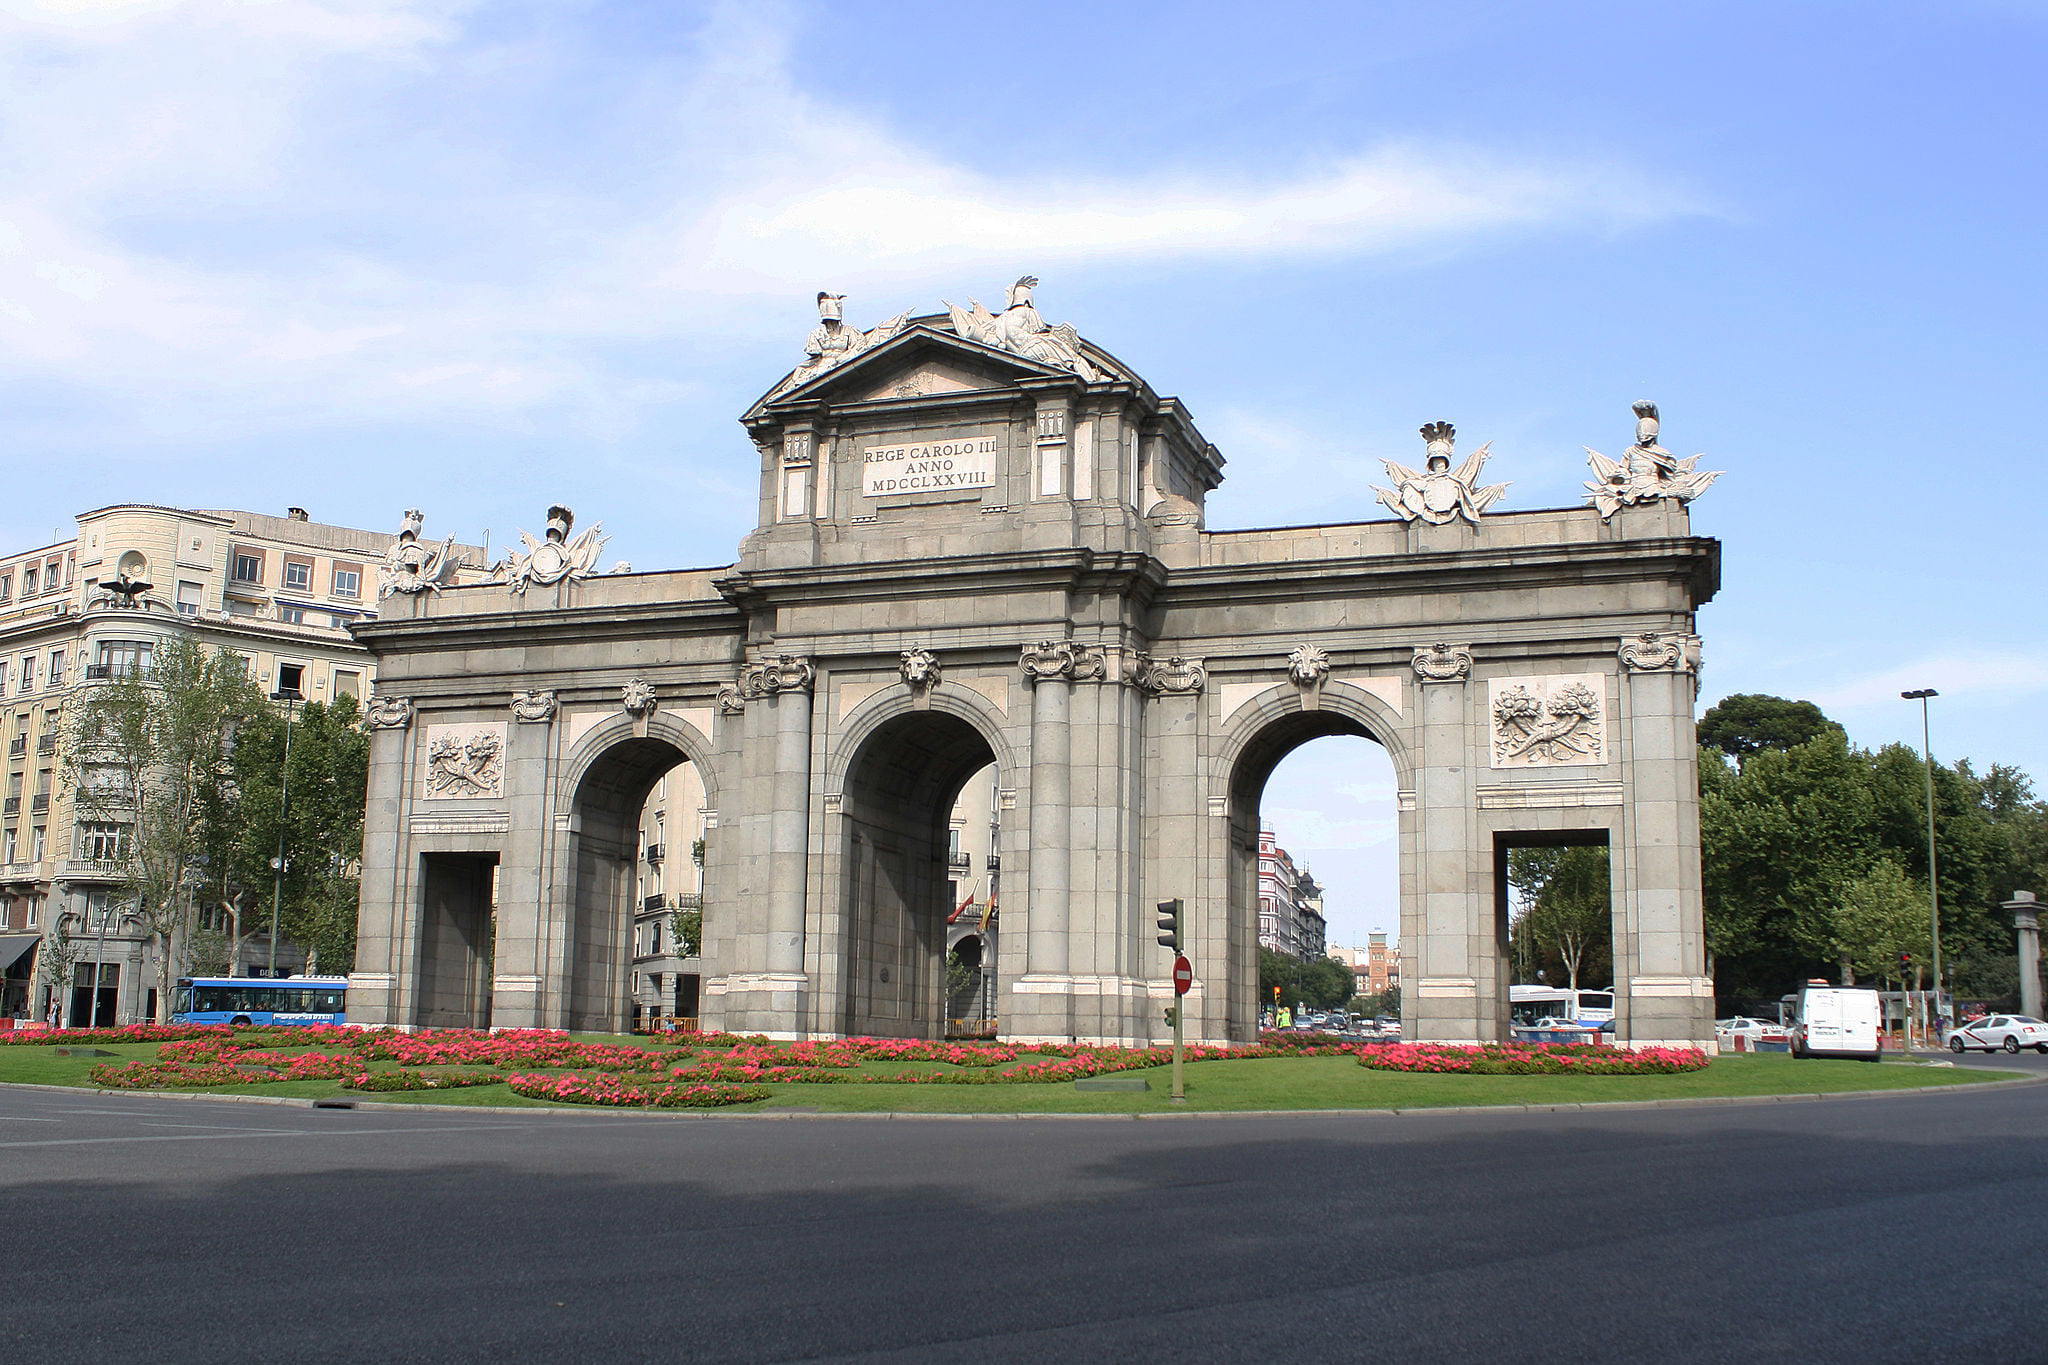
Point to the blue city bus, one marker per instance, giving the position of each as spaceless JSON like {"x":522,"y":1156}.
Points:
{"x":250,"y":1000}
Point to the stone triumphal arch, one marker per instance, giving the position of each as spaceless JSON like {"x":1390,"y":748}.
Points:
{"x":981,"y":542}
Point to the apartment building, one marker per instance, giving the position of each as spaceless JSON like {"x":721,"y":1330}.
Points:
{"x":1290,"y":904}
{"x":280,"y":591}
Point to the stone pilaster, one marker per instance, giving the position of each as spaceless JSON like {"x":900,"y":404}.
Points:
{"x":1042,"y":1000}
{"x":387,"y":950}
{"x":1662,"y":991}
{"x":520,"y":964}
{"x":1452,"y":993}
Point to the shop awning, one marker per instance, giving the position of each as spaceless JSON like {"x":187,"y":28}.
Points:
{"x":12,"y":946}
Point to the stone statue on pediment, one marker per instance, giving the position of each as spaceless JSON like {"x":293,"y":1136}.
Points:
{"x":412,"y":566}
{"x":832,"y":343}
{"x":1645,"y":472}
{"x":1020,"y":330}
{"x":555,"y":558}
{"x":1437,"y":493}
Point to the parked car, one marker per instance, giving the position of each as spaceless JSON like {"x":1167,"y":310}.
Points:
{"x":2008,"y":1031}
{"x":1753,"y":1029}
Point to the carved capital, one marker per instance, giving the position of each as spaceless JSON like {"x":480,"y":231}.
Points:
{"x":1651,"y":652}
{"x":1443,"y":663}
{"x":730,"y":700}
{"x":638,"y":698}
{"x":774,"y":674}
{"x":1063,"y":659}
{"x":387,"y":713}
{"x":1174,"y":675}
{"x":533,"y":707}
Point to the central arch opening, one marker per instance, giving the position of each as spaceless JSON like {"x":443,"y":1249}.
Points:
{"x":907,"y":880}
{"x":1314,"y":885}
{"x":632,"y":946}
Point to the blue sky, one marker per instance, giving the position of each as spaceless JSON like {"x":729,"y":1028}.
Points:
{"x":480,"y":257}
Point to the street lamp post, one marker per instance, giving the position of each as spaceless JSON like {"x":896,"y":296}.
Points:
{"x":1921,"y":694}
{"x":289,"y":696}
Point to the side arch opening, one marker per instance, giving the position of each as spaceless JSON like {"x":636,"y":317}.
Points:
{"x":919,"y":811}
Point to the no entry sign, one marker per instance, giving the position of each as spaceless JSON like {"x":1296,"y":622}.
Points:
{"x":1183,"y":976}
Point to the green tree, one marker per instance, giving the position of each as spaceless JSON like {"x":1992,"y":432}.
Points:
{"x":1877,"y":916}
{"x":317,"y":802}
{"x":149,"y":753}
{"x":1750,"y":722}
{"x":1324,"y":984}
{"x":1564,"y":931}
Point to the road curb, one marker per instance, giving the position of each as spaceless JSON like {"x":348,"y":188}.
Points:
{"x":1995,"y":1079}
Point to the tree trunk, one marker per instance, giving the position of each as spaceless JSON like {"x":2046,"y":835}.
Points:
{"x":1847,"y":973}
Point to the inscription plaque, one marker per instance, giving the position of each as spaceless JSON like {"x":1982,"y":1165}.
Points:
{"x":928,"y":467}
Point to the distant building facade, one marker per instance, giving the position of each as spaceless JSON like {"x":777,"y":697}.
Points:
{"x":280,"y":591}
{"x":1376,"y":967}
{"x":1290,"y":904}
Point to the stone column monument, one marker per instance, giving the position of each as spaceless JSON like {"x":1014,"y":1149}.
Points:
{"x":2026,"y":920}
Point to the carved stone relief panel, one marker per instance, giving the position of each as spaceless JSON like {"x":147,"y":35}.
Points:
{"x":464,"y":761}
{"x":1558,"y":721}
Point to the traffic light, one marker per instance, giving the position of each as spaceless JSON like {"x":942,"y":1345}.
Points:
{"x":1905,"y":959}
{"x":1169,"y":924}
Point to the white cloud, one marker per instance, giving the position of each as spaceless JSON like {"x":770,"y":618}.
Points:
{"x":261,"y":214}
{"x":1991,"y":675}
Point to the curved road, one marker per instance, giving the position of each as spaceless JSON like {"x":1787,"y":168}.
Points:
{"x":151,"y":1228}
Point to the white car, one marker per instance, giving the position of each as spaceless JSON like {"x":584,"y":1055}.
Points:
{"x":1755,"y":1030}
{"x":2009,"y":1031}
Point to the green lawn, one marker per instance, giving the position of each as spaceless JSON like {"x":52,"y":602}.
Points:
{"x":1278,"y":1083}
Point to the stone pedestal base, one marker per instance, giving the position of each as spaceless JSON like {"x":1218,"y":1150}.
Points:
{"x":773,"y":1003}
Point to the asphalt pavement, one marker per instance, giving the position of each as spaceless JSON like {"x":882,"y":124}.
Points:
{"x":153,"y":1228}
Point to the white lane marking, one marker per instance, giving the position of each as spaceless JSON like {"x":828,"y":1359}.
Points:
{"x":16,"y":1118}
{"x":258,"y":1132}
{"x":220,"y":1127}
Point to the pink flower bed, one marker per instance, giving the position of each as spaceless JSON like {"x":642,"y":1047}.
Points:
{"x":127,"y":1033}
{"x":1530,"y":1059}
{"x":613,"y":1090}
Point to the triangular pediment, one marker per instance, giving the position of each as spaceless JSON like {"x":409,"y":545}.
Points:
{"x":923,"y":360}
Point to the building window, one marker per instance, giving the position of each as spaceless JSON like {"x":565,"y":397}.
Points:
{"x":35,"y":905}
{"x":101,"y":841}
{"x":298,"y":575}
{"x":348,"y":683}
{"x":53,"y":576}
{"x":6,"y":586}
{"x":119,"y":658}
{"x":290,"y":615}
{"x":290,"y":680}
{"x":189,"y":594}
{"x":7,"y":845}
{"x":56,"y":668}
{"x":248,"y":566}
{"x":348,"y":580}
{"x":28,"y":582}
{"x":28,"y":673}
{"x":39,"y":843}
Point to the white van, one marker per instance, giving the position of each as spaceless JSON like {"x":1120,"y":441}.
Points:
{"x":1835,"y":1021}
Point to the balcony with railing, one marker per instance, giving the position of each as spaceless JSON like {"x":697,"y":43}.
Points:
{"x":654,"y":853}
{"x":959,"y":862}
{"x":39,"y":802}
{"x":10,"y":806}
{"x":17,"y":746}
{"x":46,"y":744}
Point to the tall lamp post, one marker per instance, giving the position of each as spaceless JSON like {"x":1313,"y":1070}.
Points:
{"x":1921,"y":694}
{"x":289,"y":696}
